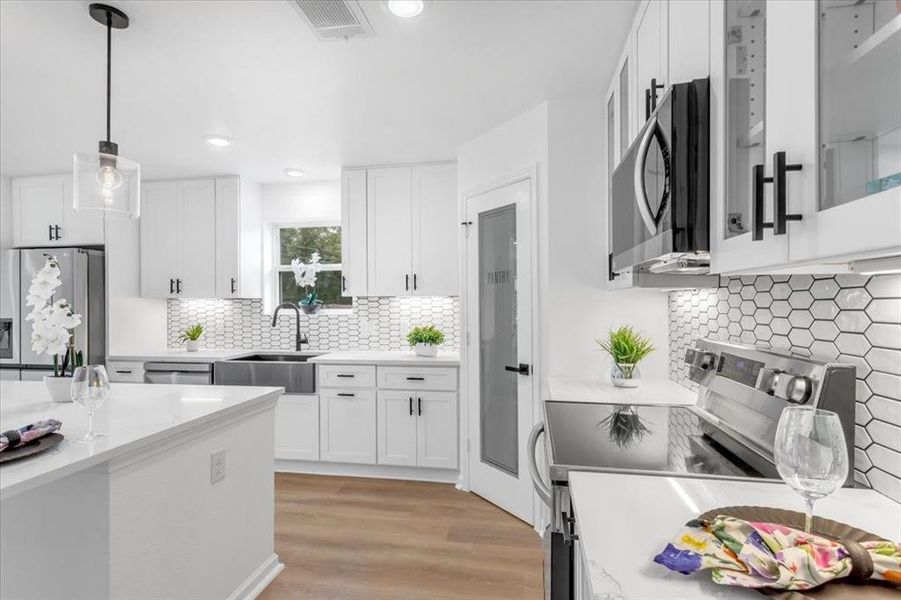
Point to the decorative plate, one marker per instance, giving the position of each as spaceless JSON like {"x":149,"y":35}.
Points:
{"x":834,"y":590}
{"x":37,"y":446}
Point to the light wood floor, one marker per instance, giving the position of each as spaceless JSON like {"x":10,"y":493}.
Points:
{"x":346,"y":539}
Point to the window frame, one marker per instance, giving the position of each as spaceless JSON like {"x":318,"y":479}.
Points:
{"x":279,"y":268}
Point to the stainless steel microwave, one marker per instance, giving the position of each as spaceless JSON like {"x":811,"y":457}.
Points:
{"x":659,"y":217}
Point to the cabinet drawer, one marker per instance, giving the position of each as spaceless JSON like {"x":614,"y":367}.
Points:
{"x":125,"y":371}
{"x":415,"y":378}
{"x":347,"y":376}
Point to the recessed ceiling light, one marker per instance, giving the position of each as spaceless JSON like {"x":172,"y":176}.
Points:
{"x":220,"y":141}
{"x":294,"y":173}
{"x":405,"y":8}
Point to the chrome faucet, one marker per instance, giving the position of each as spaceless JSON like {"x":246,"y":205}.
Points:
{"x":299,"y":338}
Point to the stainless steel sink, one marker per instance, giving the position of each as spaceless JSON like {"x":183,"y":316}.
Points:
{"x":290,"y":371}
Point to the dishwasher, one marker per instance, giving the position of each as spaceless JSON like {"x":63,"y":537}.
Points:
{"x":174,"y":372}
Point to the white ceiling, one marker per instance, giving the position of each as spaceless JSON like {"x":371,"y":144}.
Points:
{"x":253,"y":71}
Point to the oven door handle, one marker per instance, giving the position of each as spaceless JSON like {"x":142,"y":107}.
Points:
{"x":541,"y":488}
{"x":641,"y":192}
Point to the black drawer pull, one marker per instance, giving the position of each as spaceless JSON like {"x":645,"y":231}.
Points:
{"x":345,"y":395}
{"x":415,"y":378}
{"x":124,"y":372}
{"x":345,"y":375}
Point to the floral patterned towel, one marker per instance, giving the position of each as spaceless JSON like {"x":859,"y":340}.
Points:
{"x":758,"y":555}
{"x":27,"y":433}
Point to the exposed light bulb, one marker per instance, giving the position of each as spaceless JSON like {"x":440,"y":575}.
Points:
{"x":405,"y":8}
{"x":110,"y":179}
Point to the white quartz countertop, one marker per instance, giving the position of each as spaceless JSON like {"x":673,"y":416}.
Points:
{"x":650,"y":392}
{"x":626,"y":520}
{"x":180,"y":355}
{"x":134,"y":417}
{"x":387,"y":357}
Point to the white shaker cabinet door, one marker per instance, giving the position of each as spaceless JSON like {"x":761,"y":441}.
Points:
{"x":389,"y":208}
{"x":649,"y":60}
{"x":197,"y":239}
{"x":37,"y":208}
{"x":348,"y":426}
{"x":436,"y":227}
{"x":297,"y":427}
{"x":437,"y":429}
{"x":354,"y":267}
{"x":159,"y":239}
{"x":228,"y":238}
{"x":397,"y":418}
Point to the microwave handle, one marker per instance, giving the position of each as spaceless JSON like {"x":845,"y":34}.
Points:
{"x":641,"y":194}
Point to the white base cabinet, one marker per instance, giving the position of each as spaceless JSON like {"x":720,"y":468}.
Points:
{"x":347,"y":426}
{"x":297,"y":427}
{"x":417,"y":428}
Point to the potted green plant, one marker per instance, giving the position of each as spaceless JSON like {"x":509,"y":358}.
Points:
{"x":425,"y":339}
{"x":627,"y":348}
{"x":191,"y":337}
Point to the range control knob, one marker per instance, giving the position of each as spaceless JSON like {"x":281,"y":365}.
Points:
{"x":797,"y":389}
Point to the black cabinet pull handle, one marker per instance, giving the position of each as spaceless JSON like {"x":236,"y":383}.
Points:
{"x":647,"y":104}
{"x":757,"y":222}
{"x":407,"y":282}
{"x":343,"y":283}
{"x":347,"y":375}
{"x":419,"y":402}
{"x":50,"y":232}
{"x":124,"y":372}
{"x":345,"y":395}
{"x":522,"y":369}
{"x":414,"y":281}
{"x":171,"y":286}
{"x":415,"y":378}
{"x":178,"y":286}
{"x":411,"y":406}
{"x":780,"y":201}
{"x":233,"y":285}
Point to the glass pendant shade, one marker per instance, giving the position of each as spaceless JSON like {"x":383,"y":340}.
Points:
{"x":107,"y":182}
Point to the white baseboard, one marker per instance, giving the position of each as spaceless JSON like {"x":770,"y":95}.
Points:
{"x":254,"y":585}
{"x":371,"y":471}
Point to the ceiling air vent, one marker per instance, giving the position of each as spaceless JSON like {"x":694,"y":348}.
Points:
{"x":334,"y":19}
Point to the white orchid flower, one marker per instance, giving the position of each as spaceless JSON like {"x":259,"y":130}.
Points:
{"x":54,"y":323}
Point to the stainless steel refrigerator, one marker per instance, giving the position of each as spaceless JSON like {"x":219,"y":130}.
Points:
{"x":83,"y":287}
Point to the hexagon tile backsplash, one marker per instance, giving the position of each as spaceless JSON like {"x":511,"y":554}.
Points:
{"x":373,"y":324}
{"x":846,"y":318}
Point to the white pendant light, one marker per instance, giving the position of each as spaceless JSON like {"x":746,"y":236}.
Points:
{"x":103,"y":179}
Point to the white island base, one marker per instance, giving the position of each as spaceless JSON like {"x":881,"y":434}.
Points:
{"x":134,"y":514}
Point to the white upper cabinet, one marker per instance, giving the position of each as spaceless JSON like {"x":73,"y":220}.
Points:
{"x":390,"y":218}
{"x":649,"y":61}
{"x":43,"y":214}
{"x":239,"y":239}
{"x":354,"y":252}
{"x":399,"y":231}
{"x":435,"y":229}
{"x":200,"y":239}
{"x":806,"y":133}
{"x":688,"y":36}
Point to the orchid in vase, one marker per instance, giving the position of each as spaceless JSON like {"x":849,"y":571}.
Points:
{"x":53,"y":327}
{"x":305,"y":277}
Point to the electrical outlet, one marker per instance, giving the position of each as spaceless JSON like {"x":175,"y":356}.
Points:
{"x":217,"y":466}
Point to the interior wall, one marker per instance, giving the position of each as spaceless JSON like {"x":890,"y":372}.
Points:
{"x":6,"y":216}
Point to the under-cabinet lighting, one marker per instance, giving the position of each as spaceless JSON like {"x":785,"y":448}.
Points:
{"x":877,"y":266}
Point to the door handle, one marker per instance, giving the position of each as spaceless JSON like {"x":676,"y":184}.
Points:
{"x":178,"y":286}
{"x":647,"y":104}
{"x":419,"y":402}
{"x":541,"y":488}
{"x":407,"y":282}
{"x":780,"y":201}
{"x":50,"y":232}
{"x":522,"y":369}
{"x":757,"y":222}
{"x":411,"y":406}
{"x":654,"y":87}
{"x":171,"y":286}
{"x":414,"y":281}
{"x":233,"y":285}
{"x":343,"y":283}
{"x":641,"y":197}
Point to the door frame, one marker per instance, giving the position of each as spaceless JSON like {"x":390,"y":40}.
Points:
{"x":467,"y":382}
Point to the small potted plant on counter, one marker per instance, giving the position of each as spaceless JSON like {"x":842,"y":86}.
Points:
{"x":305,"y":277}
{"x":53,"y":329}
{"x":425,"y":339}
{"x":191,"y":337}
{"x":627,"y":348}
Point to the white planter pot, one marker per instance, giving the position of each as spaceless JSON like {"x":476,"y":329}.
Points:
{"x":60,"y":388}
{"x":192,"y":345}
{"x":425,"y":350}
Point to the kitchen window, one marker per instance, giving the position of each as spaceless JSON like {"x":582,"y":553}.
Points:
{"x":301,"y":241}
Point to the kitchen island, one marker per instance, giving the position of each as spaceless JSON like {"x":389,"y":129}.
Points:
{"x":137,"y":513}
{"x":623,"y":521}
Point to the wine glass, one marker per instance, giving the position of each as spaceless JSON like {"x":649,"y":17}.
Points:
{"x":811,"y":454}
{"x":90,"y":389}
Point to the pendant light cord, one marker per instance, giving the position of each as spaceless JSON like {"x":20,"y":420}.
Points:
{"x":109,"y":56}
